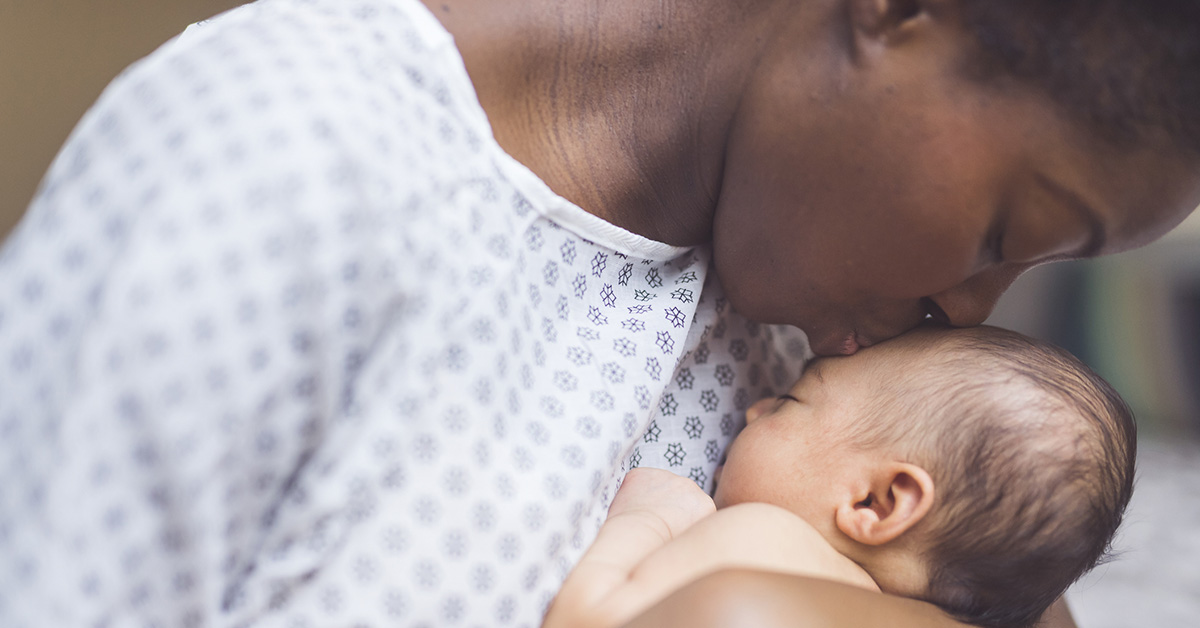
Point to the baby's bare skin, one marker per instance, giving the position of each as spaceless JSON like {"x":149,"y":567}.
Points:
{"x":663,"y":532}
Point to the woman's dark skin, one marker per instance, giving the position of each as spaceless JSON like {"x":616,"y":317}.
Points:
{"x":849,"y":178}
{"x":748,"y":599}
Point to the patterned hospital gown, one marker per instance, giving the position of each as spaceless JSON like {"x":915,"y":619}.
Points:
{"x":286,"y":339}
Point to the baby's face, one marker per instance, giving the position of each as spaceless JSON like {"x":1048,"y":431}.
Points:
{"x":795,"y":446}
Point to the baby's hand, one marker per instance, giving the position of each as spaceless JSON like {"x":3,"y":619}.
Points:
{"x":674,"y":500}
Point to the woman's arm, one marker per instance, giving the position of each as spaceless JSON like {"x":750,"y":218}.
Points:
{"x":760,"y":599}
{"x":757,"y":599}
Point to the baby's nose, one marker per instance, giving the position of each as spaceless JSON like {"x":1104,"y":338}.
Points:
{"x":760,"y":407}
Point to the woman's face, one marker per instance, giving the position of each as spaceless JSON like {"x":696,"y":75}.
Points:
{"x":904,"y":190}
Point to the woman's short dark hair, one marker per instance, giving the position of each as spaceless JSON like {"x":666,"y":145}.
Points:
{"x":1128,"y":68}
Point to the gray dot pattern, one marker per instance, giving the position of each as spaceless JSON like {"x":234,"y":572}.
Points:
{"x":287,"y":340}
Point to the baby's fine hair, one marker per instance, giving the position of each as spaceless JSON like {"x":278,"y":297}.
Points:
{"x":1127,"y":68}
{"x":1032,"y":457}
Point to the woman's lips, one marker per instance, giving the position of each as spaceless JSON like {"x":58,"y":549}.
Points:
{"x":833,"y":345}
{"x":853,"y":342}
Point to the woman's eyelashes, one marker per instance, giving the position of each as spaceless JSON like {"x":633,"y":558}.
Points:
{"x":786,"y":397}
{"x":995,"y":246}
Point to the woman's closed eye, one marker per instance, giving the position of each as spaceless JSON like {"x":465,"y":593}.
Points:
{"x":996,"y":246}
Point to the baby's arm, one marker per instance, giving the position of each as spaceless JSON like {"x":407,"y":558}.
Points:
{"x":638,"y":559}
{"x":652,"y":507}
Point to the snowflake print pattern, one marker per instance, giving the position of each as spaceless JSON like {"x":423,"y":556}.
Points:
{"x":724,"y":375}
{"x":625,"y":274}
{"x":676,"y":317}
{"x":653,"y":279}
{"x":653,"y":369}
{"x":596,"y":316}
{"x":613,"y":372}
{"x":665,"y":342}
{"x":727,"y":424}
{"x":599,"y":263}
{"x":667,"y":405}
{"x":652,"y":433}
{"x":683,"y":295}
{"x":712,"y":451}
{"x":534,"y":239}
{"x":608,"y":296}
{"x":675,"y":454}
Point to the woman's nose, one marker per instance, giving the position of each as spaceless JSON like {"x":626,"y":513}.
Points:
{"x":972,"y":301}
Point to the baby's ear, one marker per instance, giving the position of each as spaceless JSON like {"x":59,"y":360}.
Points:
{"x":897,"y":496}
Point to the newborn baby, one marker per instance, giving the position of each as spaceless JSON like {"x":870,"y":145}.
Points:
{"x":976,"y":469}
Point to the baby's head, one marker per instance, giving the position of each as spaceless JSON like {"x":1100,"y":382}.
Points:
{"x":974,"y":468}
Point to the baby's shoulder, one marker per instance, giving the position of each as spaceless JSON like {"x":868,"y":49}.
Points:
{"x":754,"y":519}
{"x":779,"y":540}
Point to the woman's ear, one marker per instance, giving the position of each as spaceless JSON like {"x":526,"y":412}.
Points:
{"x":898,"y":495}
{"x":887,"y":20}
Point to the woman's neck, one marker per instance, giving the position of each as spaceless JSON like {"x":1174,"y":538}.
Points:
{"x":621,"y":106}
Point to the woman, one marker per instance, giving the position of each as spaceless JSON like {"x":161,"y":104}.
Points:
{"x":291,"y":339}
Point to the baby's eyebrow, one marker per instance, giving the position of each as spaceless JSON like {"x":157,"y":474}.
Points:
{"x":815,"y":368}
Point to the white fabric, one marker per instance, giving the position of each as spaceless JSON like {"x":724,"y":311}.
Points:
{"x":286,"y":339}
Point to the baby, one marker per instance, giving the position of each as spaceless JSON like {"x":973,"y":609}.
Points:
{"x":976,"y":469}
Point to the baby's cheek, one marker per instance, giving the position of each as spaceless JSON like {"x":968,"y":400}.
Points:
{"x":739,"y":482}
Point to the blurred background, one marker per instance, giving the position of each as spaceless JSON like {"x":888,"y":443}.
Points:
{"x":55,"y":58}
{"x":1135,"y":317}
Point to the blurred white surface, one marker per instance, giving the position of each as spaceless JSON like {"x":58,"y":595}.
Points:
{"x":1155,"y":581}
{"x":1188,"y":231}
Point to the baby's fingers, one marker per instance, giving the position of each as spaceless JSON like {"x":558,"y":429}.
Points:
{"x":675,"y":499}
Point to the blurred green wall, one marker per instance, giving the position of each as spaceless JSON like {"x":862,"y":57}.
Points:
{"x":1133,"y":317}
{"x":55,"y":58}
